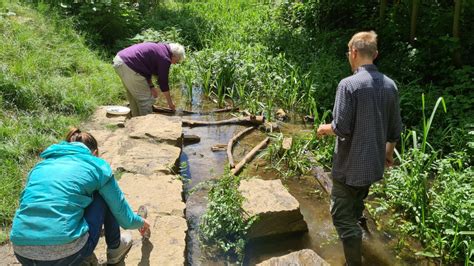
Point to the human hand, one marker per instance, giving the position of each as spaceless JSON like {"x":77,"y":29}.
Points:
{"x":172,"y":106}
{"x":144,"y":228}
{"x":388,"y":162}
{"x":154,"y":92}
{"x":324,"y":130}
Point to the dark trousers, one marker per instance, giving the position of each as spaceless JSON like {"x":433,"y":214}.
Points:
{"x":96,"y":215}
{"x":347,"y":206}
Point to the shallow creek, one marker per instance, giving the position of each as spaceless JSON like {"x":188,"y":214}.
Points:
{"x":203,"y":165}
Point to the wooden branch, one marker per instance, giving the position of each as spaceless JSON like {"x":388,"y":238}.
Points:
{"x":249,"y":156}
{"x":231,"y":143}
{"x":219,"y":147}
{"x":159,"y":109}
{"x":323,"y":179}
{"x":254,"y":120}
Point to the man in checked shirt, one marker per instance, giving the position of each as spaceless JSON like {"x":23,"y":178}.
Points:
{"x":367,"y":124}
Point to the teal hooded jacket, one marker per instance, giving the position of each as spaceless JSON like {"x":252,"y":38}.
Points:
{"x":58,"y":190}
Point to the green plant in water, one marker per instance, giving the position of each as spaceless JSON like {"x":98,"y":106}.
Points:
{"x":432,"y":197}
{"x":225,"y":224}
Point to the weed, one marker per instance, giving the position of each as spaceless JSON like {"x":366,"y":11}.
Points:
{"x":225,"y":224}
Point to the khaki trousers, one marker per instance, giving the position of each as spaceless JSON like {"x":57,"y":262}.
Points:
{"x":136,"y":87}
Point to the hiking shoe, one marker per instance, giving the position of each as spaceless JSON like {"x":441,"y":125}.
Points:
{"x":118,"y":254}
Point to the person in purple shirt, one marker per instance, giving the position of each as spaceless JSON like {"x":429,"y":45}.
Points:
{"x":136,"y":65}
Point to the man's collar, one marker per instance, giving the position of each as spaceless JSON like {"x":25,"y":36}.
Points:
{"x":367,"y":67}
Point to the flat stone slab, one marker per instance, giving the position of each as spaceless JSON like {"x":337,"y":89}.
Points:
{"x":299,"y":258}
{"x":138,"y":156}
{"x":159,"y":128}
{"x":161,"y":194}
{"x":278,"y":211}
{"x":100,"y":119}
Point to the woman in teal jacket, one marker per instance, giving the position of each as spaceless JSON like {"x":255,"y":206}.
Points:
{"x":67,"y":198}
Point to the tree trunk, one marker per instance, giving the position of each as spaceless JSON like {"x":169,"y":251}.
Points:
{"x":456,"y":19}
{"x":383,"y":7}
{"x":414,"y":15}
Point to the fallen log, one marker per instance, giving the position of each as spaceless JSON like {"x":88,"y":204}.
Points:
{"x":249,"y":156}
{"x":231,"y":144}
{"x":323,"y":179}
{"x":219,"y":147}
{"x":159,"y":109}
{"x":254,"y":120}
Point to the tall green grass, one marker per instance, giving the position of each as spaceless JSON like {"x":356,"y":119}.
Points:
{"x":234,"y":56}
{"x":431,"y":196}
{"x":49,"y":81}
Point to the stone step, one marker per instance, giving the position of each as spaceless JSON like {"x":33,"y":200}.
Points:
{"x":303,"y":257}
{"x":278,"y":211}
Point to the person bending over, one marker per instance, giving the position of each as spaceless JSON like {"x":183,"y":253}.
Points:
{"x":67,"y":199}
{"x":135,"y":66}
{"x":367,"y":124}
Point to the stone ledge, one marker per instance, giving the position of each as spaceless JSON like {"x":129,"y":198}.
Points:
{"x":303,"y":257}
{"x":278,"y":211}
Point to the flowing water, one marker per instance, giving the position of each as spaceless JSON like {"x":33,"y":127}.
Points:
{"x":203,"y":165}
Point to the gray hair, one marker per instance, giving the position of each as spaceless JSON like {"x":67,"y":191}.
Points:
{"x":178,"y":51}
{"x":365,"y":43}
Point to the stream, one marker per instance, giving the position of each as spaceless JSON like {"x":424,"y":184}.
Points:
{"x":203,"y":165}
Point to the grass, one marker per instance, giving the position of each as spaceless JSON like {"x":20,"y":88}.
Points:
{"x":49,"y":81}
{"x":431,"y":197}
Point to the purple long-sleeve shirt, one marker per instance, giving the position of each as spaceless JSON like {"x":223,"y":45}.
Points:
{"x":149,"y":59}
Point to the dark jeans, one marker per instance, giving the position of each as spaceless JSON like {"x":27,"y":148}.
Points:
{"x":96,"y":215}
{"x":347,"y":206}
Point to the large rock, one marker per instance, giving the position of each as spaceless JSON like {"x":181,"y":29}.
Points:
{"x":101,"y":119}
{"x":166,"y":245}
{"x":303,"y":257}
{"x":278,"y":211}
{"x":151,"y":190}
{"x":159,"y":128}
{"x":142,"y":157}
{"x":146,"y":150}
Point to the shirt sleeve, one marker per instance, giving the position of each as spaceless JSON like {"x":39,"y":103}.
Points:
{"x":119,"y":206}
{"x":343,"y":112}
{"x":163,"y":78}
{"x":395,"y":120}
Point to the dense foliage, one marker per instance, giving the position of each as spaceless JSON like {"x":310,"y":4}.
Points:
{"x":225,"y":224}
{"x":431,"y":197}
{"x":262,"y":55}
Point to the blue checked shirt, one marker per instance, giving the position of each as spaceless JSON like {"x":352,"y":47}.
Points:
{"x":366,"y":115}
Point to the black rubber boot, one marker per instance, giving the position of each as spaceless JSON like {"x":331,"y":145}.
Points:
{"x":353,"y":251}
